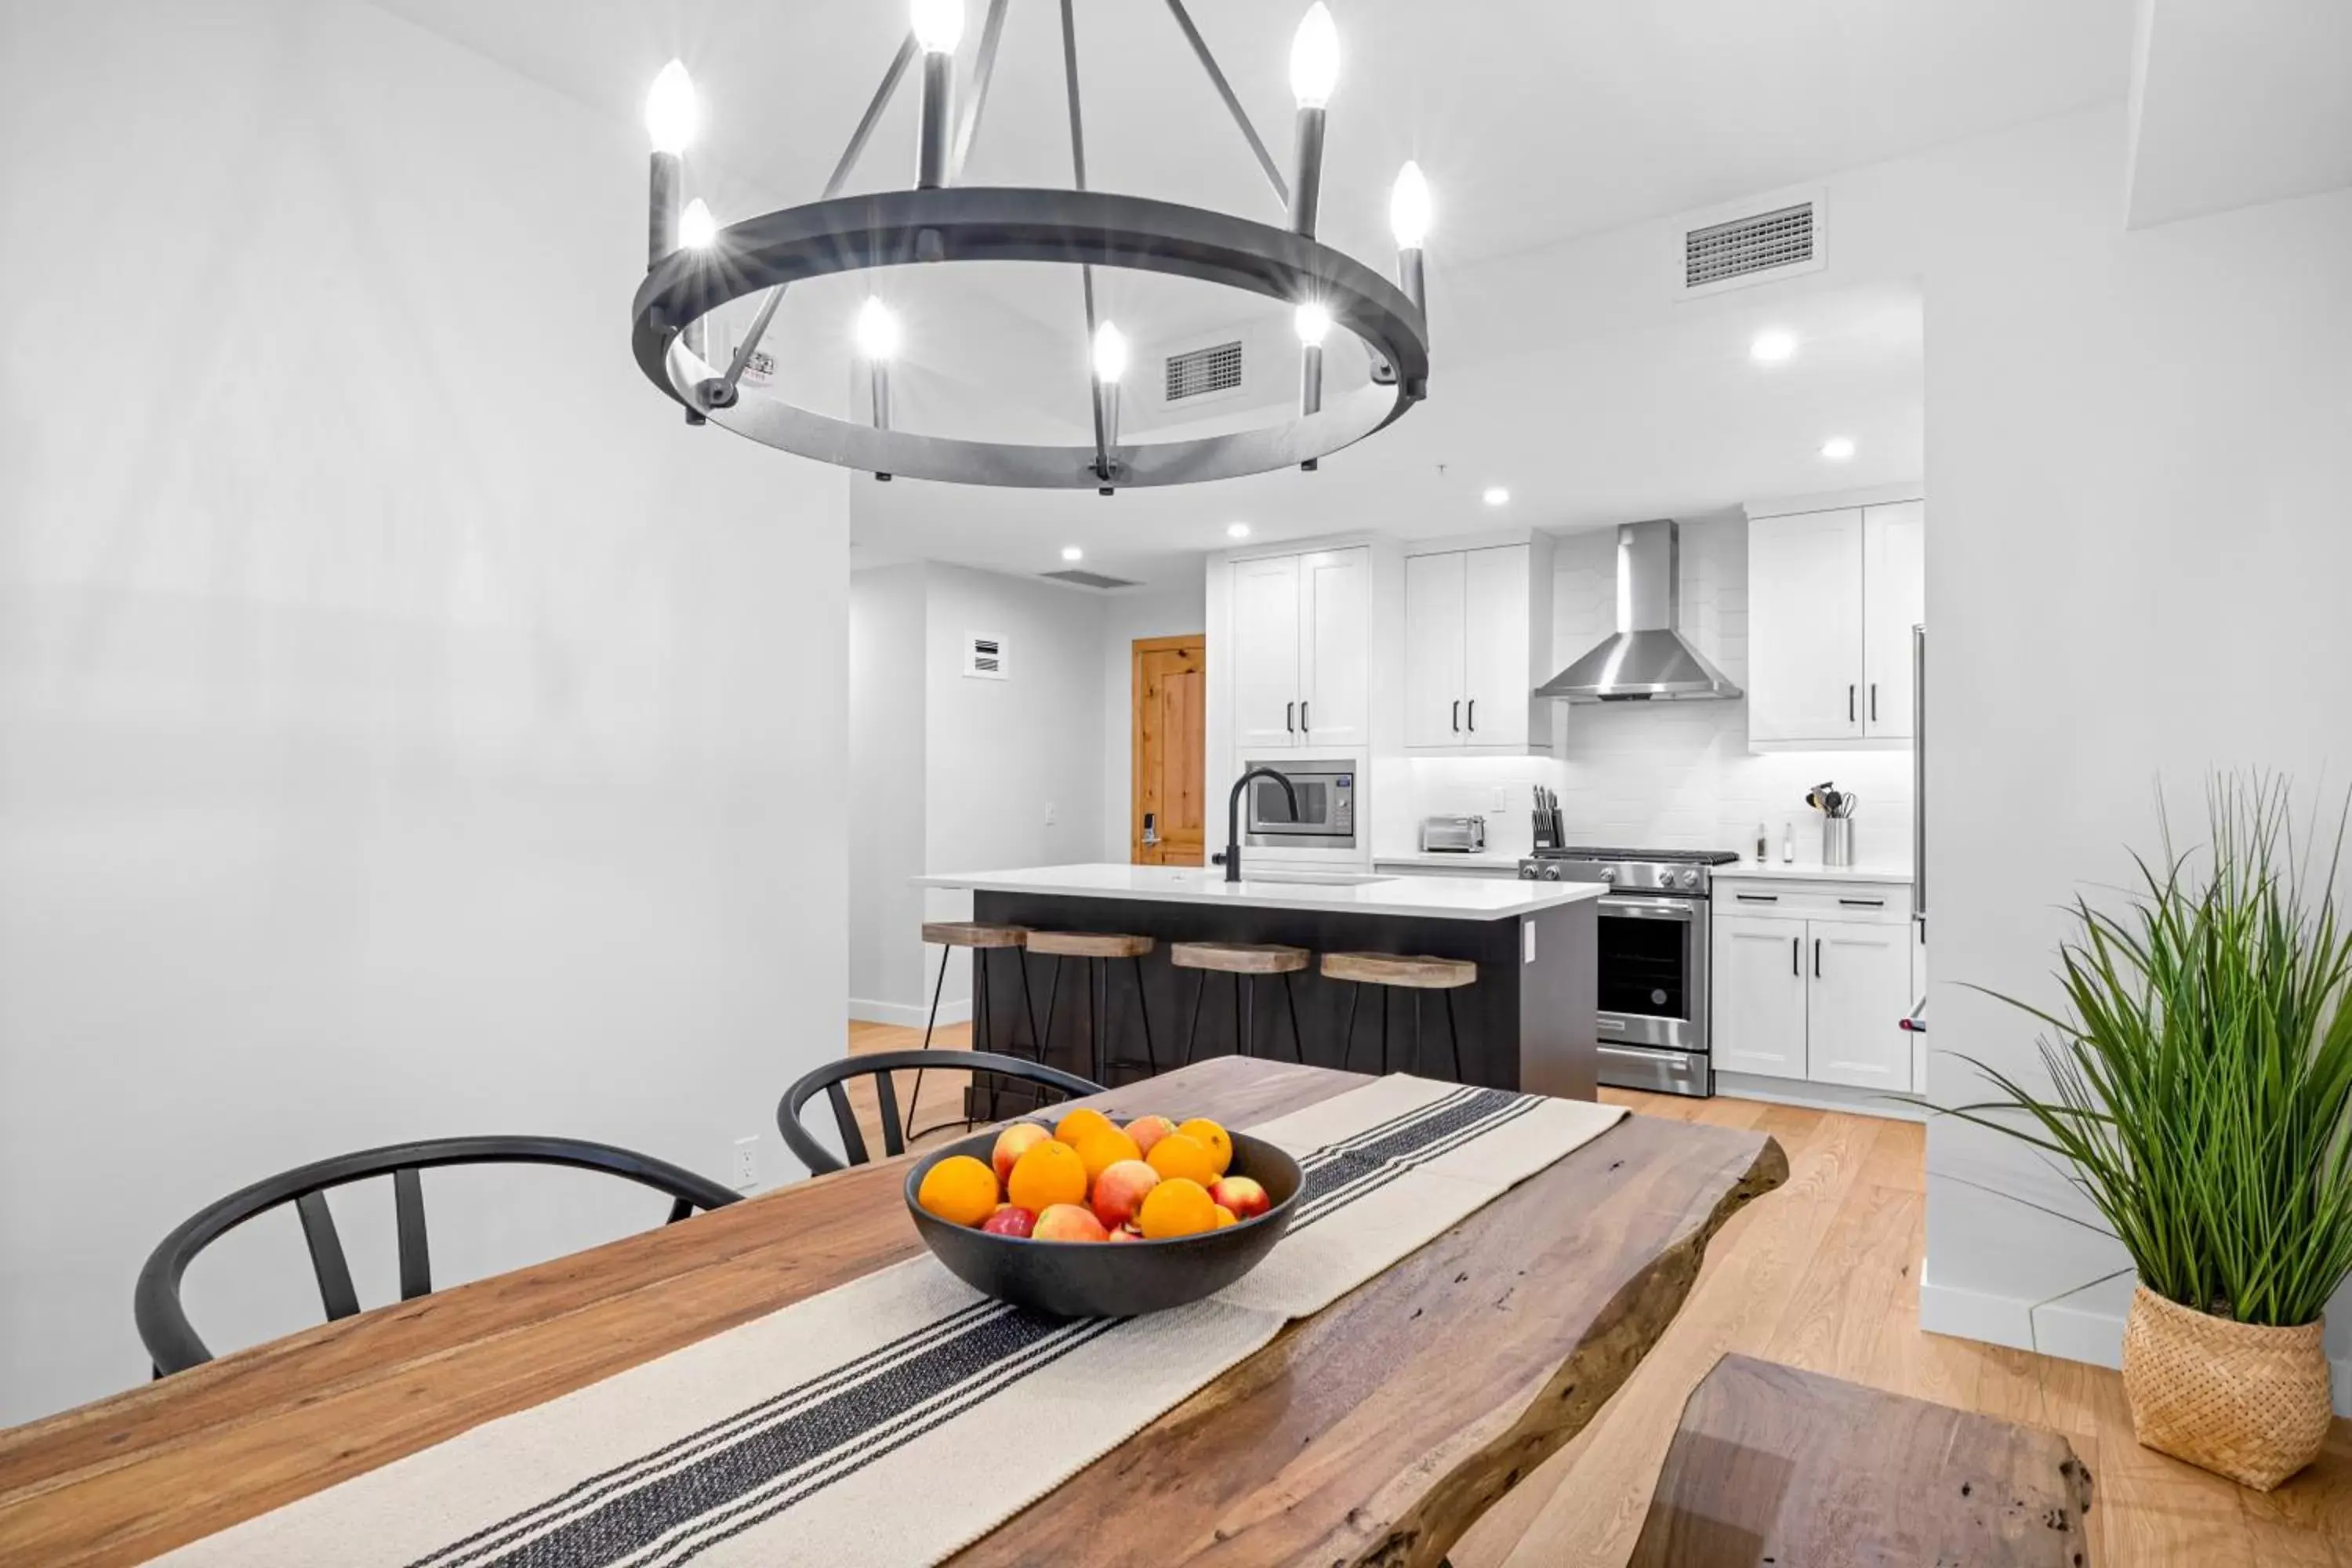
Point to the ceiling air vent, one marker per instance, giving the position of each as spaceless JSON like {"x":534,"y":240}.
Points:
{"x":1197,"y":373}
{"x":1753,"y":243}
{"x":1087,"y":579}
{"x":983,"y":659}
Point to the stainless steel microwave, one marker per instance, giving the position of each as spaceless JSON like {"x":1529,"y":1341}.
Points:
{"x":1326,"y":814}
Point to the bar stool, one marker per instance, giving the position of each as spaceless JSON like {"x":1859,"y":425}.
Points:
{"x":982,"y":939}
{"x":1098,"y":951}
{"x":1245,"y":962}
{"x":1392,"y":971}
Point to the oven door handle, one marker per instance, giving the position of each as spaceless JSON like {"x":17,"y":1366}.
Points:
{"x":1666,"y":1061}
{"x":1649,"y":909}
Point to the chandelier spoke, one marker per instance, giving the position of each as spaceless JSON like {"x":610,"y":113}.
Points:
{"x":983,"y":71}
{"x":1233,"y":103}
{"x":1079,"y":182}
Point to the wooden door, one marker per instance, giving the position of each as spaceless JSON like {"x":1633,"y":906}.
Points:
{"x":1894,"y":600}
{"x":1170,"y":698}
{"x":1761,"y":970}
{"x":1804,"y":627}
{"x":1264,"y":654}
{"x":1861,"y":988}
{"x":1433,"y":608}
{"x":1335,"y":648}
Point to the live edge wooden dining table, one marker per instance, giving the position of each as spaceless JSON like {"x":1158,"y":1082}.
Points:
{"x":1375,"y":1431}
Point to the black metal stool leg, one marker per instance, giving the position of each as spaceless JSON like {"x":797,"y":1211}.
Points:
{"x":1416,"y":1031}
{"x":1245,"y":992}
{"x":983,"y":1034}
{"x":1348,"y":1039}
{"x":1143,"y":1011}
{"x":1029,"y":1005}
{"x":947,"y":955}
{"x":1385,"y":1069}
{"x":1193,"y":1034}
{"x":1297,"y":1040}
{"x":1452,"y":1038}
{"x":1091,"y":972}
{"x":1053,"y":1000}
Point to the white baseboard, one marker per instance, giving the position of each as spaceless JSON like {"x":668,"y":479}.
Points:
{"x":1817,"y":1095}
{"x":866,"y":1012}
{"x":2086,"y":1325}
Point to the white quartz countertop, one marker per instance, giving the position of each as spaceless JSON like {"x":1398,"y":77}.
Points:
{"x":1419,"y":897}
{"x":1812,"y":871}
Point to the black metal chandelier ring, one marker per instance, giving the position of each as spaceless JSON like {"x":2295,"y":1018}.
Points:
{"x":924,"y":226}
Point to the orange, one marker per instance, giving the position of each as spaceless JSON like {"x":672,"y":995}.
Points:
{"x":1045,"y":1175}
{"x":1081,"y":1124}
{"x":1226,"y":1217}
{"x":1100,"y":1151}
{"x":959,"y":1190}
{"x":1177,"y":1207}
{"x":1180,"y":1155}
{"x":1214,"y":1138}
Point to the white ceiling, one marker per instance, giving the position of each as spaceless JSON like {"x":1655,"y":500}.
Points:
{"x":1536,"y":120}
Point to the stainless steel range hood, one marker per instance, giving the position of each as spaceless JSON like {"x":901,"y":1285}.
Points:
{"x":1648,"y":657}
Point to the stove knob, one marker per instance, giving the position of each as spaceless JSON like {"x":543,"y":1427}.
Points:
{"x":1607,"y":873}
{"x":1527,"y":871}
{"x":1551,"y":873}
{"x":1690,"y":878}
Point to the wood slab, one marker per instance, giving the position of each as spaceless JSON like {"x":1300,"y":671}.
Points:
{"x":971,"y":933}
{"x":1394,"y":968}
{"x":1239,"y":957}
{"x":1087,"y":944}
{"x":1774,"y":1465}
{"x":1373,"y":1432}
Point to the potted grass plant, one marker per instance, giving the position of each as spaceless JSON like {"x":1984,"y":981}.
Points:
{"x":2200,"y":1072}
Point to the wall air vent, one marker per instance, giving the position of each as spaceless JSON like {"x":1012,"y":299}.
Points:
{"x":983,"y":659}
{"x":1197,"y":373}
{"x":1087,"y":579}
{"x":1755,"y":242}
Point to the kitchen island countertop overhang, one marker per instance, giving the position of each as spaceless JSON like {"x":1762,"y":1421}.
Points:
{"x":1417,"y":897}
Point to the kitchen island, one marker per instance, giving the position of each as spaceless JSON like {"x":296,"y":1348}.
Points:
{"x":1526,"y":1022}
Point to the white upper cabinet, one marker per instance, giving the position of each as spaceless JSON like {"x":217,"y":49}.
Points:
{"x":1832,"y":599}
{"x":1893,"y":599}
{"x":1302,"y":651}
{"x":1265,"y":653}
{"x":1335,"y":650}
{"x":1478,"y":635}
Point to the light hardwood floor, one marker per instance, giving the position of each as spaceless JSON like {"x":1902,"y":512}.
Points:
{"x":1825,"y":1274}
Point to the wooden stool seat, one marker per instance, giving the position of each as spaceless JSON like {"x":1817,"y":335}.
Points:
{"x":1088,"y":944}
{"x":1395,"y":969}
{"x":1773,"y":1465}
{"x":1239,"y":957}
{"x":972,"y":933}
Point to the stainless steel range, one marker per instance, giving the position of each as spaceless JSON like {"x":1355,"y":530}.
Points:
{"x":1655,"y":938}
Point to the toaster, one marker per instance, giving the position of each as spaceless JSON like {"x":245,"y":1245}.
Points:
{"x":1453,"y":835}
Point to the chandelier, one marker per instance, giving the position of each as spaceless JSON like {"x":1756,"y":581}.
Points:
{"x":695,"y":266}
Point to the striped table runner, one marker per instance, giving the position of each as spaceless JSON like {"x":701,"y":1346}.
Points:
{"x":899,"y":1417}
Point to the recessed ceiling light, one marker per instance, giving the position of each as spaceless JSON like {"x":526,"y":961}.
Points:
{"x":1838,"y":448}
{"x":1071,"y":552}
{"x":1495,"y":495}
{"x":1237,"y":530}
{"x":1772,"y":347}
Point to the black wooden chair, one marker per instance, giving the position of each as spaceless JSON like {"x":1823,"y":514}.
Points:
{"x":829,"y":1079}
{"x":164,"y":1325}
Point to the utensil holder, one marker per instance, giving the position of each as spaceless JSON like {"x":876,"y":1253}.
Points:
{"x":1837,"y":840}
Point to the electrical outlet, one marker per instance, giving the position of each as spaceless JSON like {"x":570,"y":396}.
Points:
{"x":1053,"y":815}
{"x":743,"y":1172}
{"x":1502,"y":797}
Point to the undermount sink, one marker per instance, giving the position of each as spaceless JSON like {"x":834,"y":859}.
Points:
{"x":1316,"y":878}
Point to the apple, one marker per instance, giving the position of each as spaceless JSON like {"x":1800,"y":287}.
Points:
{"x":1147,"y":1131}
{"x":1244,"y":1197}
{"x":1119,"y":1190}
{"x":1127,"y":1233}
{"x":1068,"y":1222}
{"x":1009,"y":1221}
{"x":1010,"y":1144}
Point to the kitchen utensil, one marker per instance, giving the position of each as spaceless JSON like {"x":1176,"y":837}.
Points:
{"x":1109,"y":1280}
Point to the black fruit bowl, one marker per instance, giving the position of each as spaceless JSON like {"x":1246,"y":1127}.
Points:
{"x":1109,"y":1278}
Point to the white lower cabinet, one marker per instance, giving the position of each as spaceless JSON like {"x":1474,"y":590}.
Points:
{"x":1818,"y":998}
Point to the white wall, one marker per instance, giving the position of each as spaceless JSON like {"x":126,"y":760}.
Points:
{"x":1173,"y":611}
{"x":889,"y":630}
{"x":1675,"y":775}
{"x":407,"y":726}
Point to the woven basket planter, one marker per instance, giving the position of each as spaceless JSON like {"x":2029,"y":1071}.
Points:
{"x":2240,"y":1400}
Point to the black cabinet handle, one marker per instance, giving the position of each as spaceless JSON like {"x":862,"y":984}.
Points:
{"x":1473,"y":715}
{"x":1864,"y":903}
{"x":1758,"y":897}
{"x":1817,"y":958}
{"x":1457,"y":715}
{"x":1289,"y":712}
{"x":1874,"y":702}
{"x":1796,"y":966}
{"x":1303,"y":725}
{"x":1848,"y":704}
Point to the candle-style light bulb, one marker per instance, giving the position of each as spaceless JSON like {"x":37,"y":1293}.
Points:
{"x":1311,"y":321}
{"x":671,"y":112}
{"x":878,"y":330}
{"x":1409,"y":207}
{"x":939,"y":25}
{"x":1110,"y":355}
{"x":1315,"y":57}
{"x":696,"y":226}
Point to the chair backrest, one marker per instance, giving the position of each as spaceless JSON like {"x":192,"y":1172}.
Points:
{"x":828,"y":1080}
{"x":164,"y":1325}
